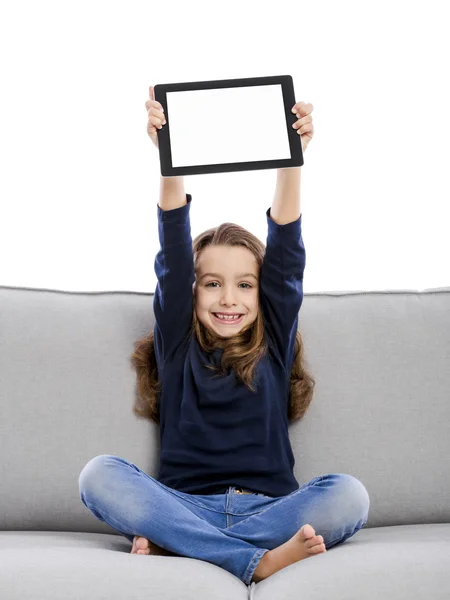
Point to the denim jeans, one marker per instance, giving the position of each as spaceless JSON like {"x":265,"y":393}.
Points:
{"x":230,"y":530}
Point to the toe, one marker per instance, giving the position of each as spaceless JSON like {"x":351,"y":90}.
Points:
{"x":314,"y":541}
{"x":307,"y":531}
{"x":142,"y":545}
{"x":317,"y":549}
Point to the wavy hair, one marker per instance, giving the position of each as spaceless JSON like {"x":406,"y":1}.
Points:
{"x":241,"y":352}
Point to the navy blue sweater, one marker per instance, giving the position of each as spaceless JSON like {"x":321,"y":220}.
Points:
{"x":214,"y":431}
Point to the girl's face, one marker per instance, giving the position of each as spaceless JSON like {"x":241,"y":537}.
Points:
{"x":233,"y":288}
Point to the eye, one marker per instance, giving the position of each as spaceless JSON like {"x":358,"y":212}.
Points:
{"x":247,"y":284}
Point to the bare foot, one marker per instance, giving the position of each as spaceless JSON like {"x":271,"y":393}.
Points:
{"x":303,"y":544}
{"x":142,"y":545}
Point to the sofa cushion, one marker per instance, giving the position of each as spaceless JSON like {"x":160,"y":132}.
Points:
{"x":400,"y":562}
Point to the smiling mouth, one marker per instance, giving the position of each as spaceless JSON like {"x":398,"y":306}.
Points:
{"x":228,"y":321}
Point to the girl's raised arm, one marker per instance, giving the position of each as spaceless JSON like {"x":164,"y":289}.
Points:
{"x":286,"y":202}
{"x":171,"y":193}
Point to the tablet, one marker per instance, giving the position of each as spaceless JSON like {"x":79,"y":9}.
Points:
{"x":228,"y":125}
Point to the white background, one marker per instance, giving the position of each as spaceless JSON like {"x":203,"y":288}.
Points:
{"x":79,"y":182}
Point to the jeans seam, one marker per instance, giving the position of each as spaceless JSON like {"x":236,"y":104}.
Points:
{"x":192,"y":501}
{"x":199,"y":504}
{"x":249,"y":571}
{"x":274,"y":504}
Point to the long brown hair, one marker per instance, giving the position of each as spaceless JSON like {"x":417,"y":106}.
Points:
{"x":240,"y":352}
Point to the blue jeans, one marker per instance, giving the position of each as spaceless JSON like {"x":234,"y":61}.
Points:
{"x":230,"y":530}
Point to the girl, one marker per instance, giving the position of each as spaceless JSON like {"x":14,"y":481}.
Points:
{"x":223,"y":374}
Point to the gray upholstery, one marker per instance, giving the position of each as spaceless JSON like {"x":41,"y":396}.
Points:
{"x":381,"y":412}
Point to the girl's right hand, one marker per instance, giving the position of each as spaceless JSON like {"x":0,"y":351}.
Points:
{"x":156,"y":118}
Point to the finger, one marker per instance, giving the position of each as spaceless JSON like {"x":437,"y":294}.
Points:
{"x":153,"y":104}
{"x":302,"y":108}
{"x":308,"y":128}
{"x":305,"y":120}
{"x":156,"y":112}
{"x":302,"y":121}
{"x":152,"y":128}
{"x":307,"y":109}
{"x":297,"y":106}
{"x":156,"y":118}
{"x":155,"y":123}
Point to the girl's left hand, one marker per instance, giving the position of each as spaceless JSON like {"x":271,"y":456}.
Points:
{"x":304,"y":125}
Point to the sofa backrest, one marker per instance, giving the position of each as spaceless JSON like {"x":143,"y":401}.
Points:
{"x":381,"y":408}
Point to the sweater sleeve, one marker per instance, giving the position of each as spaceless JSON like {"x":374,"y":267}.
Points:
{"x":174,"y":268}
{"x":281,"y":285}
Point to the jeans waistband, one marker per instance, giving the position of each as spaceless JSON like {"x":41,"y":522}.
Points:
{"x":237,"y":490}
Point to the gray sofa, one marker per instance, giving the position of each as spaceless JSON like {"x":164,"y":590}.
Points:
{"x":381,"y":412}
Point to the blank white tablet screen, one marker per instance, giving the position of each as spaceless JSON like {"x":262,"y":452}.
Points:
{"x":227,"y":125}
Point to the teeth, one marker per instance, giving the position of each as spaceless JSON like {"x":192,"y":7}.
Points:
{"x":228,"y":318}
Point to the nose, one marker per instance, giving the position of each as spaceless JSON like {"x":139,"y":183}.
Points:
{"x":228,"y":296}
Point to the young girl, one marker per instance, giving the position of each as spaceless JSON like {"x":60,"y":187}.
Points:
{"x":223,"y":374}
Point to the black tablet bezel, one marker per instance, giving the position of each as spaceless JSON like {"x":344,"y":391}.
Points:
{"x":287,"y":86}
